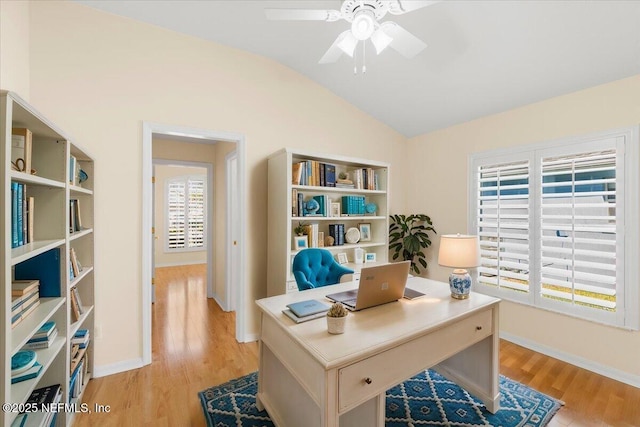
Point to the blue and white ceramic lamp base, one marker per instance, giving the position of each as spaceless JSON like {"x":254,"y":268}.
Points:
{"x":460,"y":284}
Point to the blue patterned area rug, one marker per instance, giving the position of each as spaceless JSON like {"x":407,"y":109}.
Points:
{"x":428,"y":399}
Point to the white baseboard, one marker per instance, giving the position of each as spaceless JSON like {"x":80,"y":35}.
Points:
{"x":607,"y":371}
{"x":116,"y":368}
{"x":251,"y":337}
{"x":177,"y":264}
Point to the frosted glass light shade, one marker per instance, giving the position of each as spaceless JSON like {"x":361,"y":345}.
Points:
{"x":459,"y":251}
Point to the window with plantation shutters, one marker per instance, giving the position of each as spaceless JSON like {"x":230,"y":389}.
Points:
{"x":503,"y":216}
{"x":558,"y":225}
{"x":185,"y":214}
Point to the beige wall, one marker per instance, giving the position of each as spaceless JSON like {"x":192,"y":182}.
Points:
{"x":98,"y":76}
{"x":14,"y":47}
{"x":162,"y":257}
{"x":439,"y":161}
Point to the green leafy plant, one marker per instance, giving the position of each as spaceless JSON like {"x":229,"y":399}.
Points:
{"x":337,"y":310}
{"x":299,"y":229}
{"x":408,"y":237}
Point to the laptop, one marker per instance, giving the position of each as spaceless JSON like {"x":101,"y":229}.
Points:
{"x":378,"y":285}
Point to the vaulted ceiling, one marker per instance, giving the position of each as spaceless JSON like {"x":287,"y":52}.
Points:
{"x":483,"y":57}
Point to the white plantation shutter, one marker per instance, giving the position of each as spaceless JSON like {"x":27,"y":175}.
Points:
{"x":503,"y":216}
{"x":558,"y":225}
{"x":185,"y":213}
{"x":195,"y":213}
{"x":176,"y":214}
{"x":578,"y":224}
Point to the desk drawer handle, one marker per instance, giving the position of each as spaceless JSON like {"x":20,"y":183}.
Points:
{"x":478,"y":328}
{"x":368,"y":380}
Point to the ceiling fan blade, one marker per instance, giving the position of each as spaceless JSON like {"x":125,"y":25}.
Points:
{"x":302,"y":15}
{"x":398,"y":7}
{"x":403,"y":41}
{"x":345,"y":43}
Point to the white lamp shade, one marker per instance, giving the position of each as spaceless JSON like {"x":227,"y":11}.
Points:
{"x":459,"y":251}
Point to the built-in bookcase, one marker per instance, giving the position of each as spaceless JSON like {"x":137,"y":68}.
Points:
{"x":53,"y":182}
{"x":289,"y":194}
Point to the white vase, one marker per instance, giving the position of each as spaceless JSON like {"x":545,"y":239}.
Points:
{"x":335,"y":325}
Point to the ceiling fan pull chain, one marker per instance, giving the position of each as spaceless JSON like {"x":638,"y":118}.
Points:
{"x":364,"y":57}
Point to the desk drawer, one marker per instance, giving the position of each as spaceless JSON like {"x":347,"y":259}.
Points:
{"x":370,"y":377}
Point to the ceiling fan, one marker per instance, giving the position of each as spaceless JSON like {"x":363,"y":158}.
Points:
{"x":364,"y":16}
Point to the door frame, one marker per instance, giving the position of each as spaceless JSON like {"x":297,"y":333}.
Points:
{"x":232,"y":228}
{"x":210,"y":234}
{"x":149,"y":129}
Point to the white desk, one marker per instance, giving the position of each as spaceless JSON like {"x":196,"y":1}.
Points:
{"x":308,"y":377}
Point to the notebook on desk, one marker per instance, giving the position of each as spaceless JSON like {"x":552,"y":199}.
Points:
{"x":378,"y":285}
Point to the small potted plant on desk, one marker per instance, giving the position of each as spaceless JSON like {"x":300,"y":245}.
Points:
{"x":336,"y":318}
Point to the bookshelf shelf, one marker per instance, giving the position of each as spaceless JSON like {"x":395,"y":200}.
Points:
{"x":46,"y":356}
{"x":23,"y":253}
{"x":27,"y":327}
{"x":284,"y":215}
{"x":81,"y":233}
{"x":43,"y":206}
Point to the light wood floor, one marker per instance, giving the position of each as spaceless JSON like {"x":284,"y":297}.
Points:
{"x":194,"y":347}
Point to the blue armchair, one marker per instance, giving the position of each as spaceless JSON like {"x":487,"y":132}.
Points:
{"x":314,"y":268}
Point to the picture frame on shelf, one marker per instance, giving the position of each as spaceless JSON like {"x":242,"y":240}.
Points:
{"x":370,"y":257}
{"x":300,"y":242}
{"x":335,"y":209}
{"x":365,"y":231}
{"x":342,"y":258}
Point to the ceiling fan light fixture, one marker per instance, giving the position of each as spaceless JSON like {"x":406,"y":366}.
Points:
{"x":363,"y":25}
{"x":380,"y":40}
{"x":347,"y":43}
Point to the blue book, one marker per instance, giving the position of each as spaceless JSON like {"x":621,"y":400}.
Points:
{"x":14,"y":214}
{"x":330,"y":175}
{"x":32,"y":372}
{"x":45,"y":330}
{"x":20,"y":223}
{"x":308,"y":307}
{"x":45,"y":268}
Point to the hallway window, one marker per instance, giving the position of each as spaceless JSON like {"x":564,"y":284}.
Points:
{"x":185,"y":213}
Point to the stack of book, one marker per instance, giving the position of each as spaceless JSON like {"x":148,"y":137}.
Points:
{"x":25,"y":297}
{"x":303,"y":311}
{"x":43,"y":337}
{"x":45,"y":398}
{"x":81,"y":338}
{"x":24,"y":366}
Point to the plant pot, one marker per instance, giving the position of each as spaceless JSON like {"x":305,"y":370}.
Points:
{"x":335,"y":325}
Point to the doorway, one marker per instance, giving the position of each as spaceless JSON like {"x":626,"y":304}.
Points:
{"x":151,"y":131}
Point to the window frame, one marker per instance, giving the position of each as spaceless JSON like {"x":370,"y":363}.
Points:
{"x":185,"y":179}
{"x":626,"y":141}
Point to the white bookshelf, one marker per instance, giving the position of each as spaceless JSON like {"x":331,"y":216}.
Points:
{"x":282,"y":219}
{"x":52,"y":191}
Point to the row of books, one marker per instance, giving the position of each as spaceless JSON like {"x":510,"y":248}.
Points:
{"x":314,"y":173}
{"x":352,"y":205}
{"x":78,"y":370}
{"x":75,"y":268}
{"x":75,"y":220}
{"x":77,"y":309}
{"x":22,"y":215}
{"x":299,"y":206}
{"x":43,"y":338}
{"x":45,"y":398}
{"x":337,"y":232}
{"x":365,"y":179}
{"x":25,"y":297}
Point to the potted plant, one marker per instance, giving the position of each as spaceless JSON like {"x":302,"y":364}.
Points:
{"x":299,"y":229}
{"x":408,"y":237}
{"x":336,"y":318}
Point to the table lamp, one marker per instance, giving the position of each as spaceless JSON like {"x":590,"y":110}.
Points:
{"x":460,"y":252}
